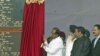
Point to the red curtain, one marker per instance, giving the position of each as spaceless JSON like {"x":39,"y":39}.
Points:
{"x":32,"y":30}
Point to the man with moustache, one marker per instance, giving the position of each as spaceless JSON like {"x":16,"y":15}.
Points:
{"x":96,"y":41}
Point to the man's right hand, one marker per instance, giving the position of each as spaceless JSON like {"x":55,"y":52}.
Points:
{"x":44,"y":38}
{"x":41,"y":45}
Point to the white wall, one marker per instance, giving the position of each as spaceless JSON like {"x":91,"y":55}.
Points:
{"x":62,"y":13}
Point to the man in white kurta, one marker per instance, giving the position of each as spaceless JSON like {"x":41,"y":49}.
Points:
{"x":70,"y":40}
{"x":69,"y":45}
{"x":55,"y":47}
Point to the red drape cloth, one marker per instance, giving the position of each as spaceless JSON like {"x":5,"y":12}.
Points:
{"x":32,"y":30}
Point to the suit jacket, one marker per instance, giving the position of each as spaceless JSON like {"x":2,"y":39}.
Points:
{"x":95,"y":50}
{"x":81,"y":47}
{"x":55,"y":47}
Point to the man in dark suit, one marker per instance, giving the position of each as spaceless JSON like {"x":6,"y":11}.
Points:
{"x":96,"y":41}
{"x":82,"y":45}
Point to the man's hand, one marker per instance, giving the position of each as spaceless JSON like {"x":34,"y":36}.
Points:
{"x":42,"y":45}
{"x":44,"y":38}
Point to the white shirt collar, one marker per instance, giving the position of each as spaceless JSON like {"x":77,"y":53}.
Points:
{"x":98,"y":36}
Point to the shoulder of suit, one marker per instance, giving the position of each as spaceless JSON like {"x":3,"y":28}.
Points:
{"x":86,"y":39}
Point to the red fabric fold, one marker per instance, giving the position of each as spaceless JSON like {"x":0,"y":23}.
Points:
{"x":32,"y":30}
